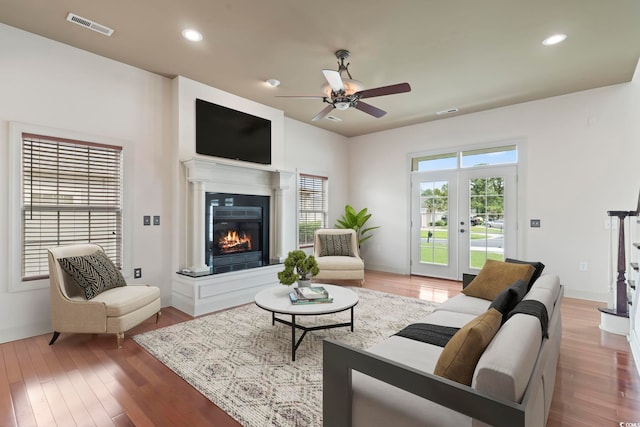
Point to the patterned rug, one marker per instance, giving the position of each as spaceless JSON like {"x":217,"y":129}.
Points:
{"x":242,"y":363}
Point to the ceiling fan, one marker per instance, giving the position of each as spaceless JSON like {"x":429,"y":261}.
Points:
{"x":342,"y":92}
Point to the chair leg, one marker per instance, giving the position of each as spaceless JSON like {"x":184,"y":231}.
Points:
{"x":120,"y":338}
{"x":54,"y":337}
{"x":158,"y":316}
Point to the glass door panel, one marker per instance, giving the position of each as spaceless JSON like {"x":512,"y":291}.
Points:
{"x":434,"y":249}
{"x":490,"y":202}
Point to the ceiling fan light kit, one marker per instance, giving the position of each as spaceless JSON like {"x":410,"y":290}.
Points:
{"x":341,"y":91}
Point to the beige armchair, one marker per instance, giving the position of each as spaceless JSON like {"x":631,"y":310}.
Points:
{"x":337,"y":253}
{"x":112,"y":311}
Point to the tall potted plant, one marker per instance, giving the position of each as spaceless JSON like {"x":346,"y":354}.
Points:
{"x":298,"y":267}
{"x":356,"y":221}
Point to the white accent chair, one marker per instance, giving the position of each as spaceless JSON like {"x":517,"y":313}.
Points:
{"x":113,"y":311}
{"x":337,"y":266}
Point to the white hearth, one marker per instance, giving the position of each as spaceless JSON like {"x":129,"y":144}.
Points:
{"x":206,"y":293}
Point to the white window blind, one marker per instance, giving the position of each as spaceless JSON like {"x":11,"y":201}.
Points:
{"x":71,"y":193}
{"x":312,"y":208}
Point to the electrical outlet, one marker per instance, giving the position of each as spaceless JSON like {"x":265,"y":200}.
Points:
{"x":535,"y":223}
{"x":146,"y":220}
{"x":137,"y":273}
{"x":156,"y":220}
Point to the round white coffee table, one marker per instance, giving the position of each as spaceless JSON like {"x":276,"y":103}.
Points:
{"x":276,"y":300}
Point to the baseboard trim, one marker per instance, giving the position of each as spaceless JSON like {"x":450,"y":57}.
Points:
{"x":25,"y":331}
{"x":634,"y":342}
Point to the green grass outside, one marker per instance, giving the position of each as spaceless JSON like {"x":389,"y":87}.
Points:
{"x":438,"y":254}
{"x":476,"y":233}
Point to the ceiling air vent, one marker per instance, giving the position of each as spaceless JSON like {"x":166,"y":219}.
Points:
{"x":87,"y":23}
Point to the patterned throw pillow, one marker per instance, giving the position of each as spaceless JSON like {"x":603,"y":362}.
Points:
{"x":93,"y":273}
{"x":335,"y":245}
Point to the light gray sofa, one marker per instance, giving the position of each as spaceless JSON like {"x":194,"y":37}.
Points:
{"x":392,"y":383}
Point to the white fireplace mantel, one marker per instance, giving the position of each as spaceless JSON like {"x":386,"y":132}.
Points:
{"x":197,"y":296}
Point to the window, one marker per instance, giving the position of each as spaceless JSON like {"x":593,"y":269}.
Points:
{"x":492,"y":156}
{"x":489,"y":156}
{"x":435,"y":162}
{"x":71,"y":193}
{"x":312,"y":207}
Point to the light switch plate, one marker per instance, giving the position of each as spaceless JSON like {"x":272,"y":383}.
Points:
{"x":146,"y":220}
{"x":156,"y":220}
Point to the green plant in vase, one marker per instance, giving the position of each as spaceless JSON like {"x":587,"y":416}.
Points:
{"x":298,"y":267}
{"x":356,"y":221}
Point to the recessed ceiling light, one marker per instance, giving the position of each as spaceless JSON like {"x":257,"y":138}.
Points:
{"x":554,"y":39}
{"x":193,"y":35}
{"x":273,"y":82}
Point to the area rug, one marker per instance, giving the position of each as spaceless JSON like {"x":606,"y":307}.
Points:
{"x":242,"y":363}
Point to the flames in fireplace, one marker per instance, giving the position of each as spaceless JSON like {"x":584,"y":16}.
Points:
{"x":233,"y":242}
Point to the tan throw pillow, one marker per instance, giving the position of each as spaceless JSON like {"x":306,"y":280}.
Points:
{"x":460,"y":356}
{"x":495,"y":276}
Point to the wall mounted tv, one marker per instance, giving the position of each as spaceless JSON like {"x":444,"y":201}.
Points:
{"x":231,"y":134}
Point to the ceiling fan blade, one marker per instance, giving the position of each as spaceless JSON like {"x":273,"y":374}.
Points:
{"x":370,"y":109}
{"x":323,"y":113}
{"x":300,"y":96}
{"x":334,"y":80}
{"x":384,"y":90}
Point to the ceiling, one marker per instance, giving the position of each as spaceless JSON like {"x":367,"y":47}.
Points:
{"x":467,"y":54}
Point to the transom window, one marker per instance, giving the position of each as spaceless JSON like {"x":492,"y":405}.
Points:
{"x":71,"y":193}
{"x":312,"y":207}
{"x":493,"y":156}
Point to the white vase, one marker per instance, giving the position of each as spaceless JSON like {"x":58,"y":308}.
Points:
{"x":304,"y":283}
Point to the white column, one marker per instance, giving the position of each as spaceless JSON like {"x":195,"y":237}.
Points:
{"x":197,"y":226}
{"x":282,"y":185}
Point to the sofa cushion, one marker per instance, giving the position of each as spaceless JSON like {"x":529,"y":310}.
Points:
{"x":496,"y":276}
{"x":504,"y":369}
{"x":462,"y":303}
{"x":538,"y":266}
{"x":459,"y":357}
{"x":94,"y":273}
{"x":340,"y":263}
{"x":122,"y":301}
{"x":509,"y":298}
{"x":335,"y":245}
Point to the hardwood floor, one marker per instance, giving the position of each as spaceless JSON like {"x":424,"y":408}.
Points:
{"x":84,"y":380}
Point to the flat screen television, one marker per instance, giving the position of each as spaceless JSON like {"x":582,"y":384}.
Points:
{"x":232,"y":134}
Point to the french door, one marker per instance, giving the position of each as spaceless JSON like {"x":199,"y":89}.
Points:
{"x":460,"y":218}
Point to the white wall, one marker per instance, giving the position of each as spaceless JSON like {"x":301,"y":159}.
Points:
{"x":581,"y":157}
{"x":50,"y":84}
{"x":315,"y":151}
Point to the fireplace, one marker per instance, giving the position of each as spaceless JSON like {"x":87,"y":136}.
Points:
{"x":236,"y":232}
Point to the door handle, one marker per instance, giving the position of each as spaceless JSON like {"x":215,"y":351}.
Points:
{"x":462,"y":230}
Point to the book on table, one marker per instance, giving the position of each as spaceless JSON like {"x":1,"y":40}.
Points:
{"x":293,"y":296}
{"x":312,"y":292}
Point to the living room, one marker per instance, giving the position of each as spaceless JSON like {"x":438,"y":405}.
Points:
{"x":578,"y":160}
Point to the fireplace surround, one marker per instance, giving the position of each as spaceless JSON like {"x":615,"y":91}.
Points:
{"x":196,"y":290}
